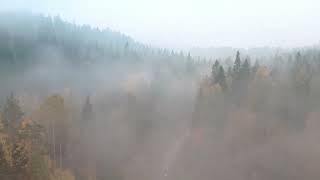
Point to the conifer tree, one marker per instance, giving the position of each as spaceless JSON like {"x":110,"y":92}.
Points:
{"x":215,"y":71}
{"x":237,"y":66}
{"x":221,"y":78}
{"x":245,"y":69}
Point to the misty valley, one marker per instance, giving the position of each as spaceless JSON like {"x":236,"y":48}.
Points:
{"x":84,"y":103}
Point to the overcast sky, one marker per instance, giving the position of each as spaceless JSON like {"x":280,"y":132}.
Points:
{"x":182,"y":24}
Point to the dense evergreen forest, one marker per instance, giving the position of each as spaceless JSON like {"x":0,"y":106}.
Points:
{"x":81,"y":103}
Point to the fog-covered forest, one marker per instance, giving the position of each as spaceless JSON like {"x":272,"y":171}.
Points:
{"x":85,"y":103}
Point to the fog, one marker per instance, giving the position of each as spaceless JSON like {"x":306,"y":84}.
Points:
{"x":79,"y":102}
{"x":183,"y":24}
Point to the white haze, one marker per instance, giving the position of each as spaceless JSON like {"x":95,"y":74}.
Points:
{"x":145,"y":118}
{"x":183,"y":24}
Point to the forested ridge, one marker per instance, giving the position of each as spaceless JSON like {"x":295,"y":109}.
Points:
{"x":22,"y":34}
{"x":82,"y":103}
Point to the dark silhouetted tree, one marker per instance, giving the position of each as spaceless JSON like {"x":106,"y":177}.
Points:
{"x":245,"y":69}
{"x":215,"y":71}
{"x":221,"y":78}
{"x":237,"y":66}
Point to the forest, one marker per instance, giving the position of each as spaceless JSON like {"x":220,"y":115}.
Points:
{"x":83,"y":103}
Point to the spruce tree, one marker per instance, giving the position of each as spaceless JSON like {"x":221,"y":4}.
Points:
{"x":221,"y":78}
{"x":237,"y":66}
{"x":245,"y":69}
{"x":237,"y":63}
{"x":215,"y":71}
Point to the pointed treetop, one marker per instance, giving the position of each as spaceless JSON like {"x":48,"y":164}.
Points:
{"x":215,"y":71}
{"x":237,"y":65}
{"x":245,"y":69}
{"x":221,"y":78}
{"x":246,"y":63}
{"x":221,"y":71}
{"x":237,"y":61}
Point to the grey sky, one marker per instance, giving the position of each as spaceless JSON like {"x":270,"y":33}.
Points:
{"x":188,"y":23}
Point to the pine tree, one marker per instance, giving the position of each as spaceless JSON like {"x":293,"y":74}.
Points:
{"x":237,"y":65}
{"x":245,"y":69}
{"x":221,"y":78}
{"x":215,"y":71}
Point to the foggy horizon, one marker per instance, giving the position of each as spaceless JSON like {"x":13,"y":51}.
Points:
{"x":185,"y":25}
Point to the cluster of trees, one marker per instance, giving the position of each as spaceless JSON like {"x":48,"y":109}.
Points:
{"x":41,"y":145}
{"x":23,"y":36}
{"x":31,"y":146}
{"x":253,"y":120}
{"x":22,"y":148}
{"x":254,"y":87}
{"x":31,"y":43}
{"x":65,"y":131}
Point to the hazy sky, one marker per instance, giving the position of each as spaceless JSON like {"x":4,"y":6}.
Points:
{"x":188,"y":23}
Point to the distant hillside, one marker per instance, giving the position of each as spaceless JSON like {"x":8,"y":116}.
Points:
{"x":23,"y":36}
{"x":50,"y":53}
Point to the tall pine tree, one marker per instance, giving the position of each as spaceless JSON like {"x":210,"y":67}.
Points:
{"x":237,"y":66}
{"x":245,"y":69}
{"x":215,"y":71}
{"x":221,"y":78}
